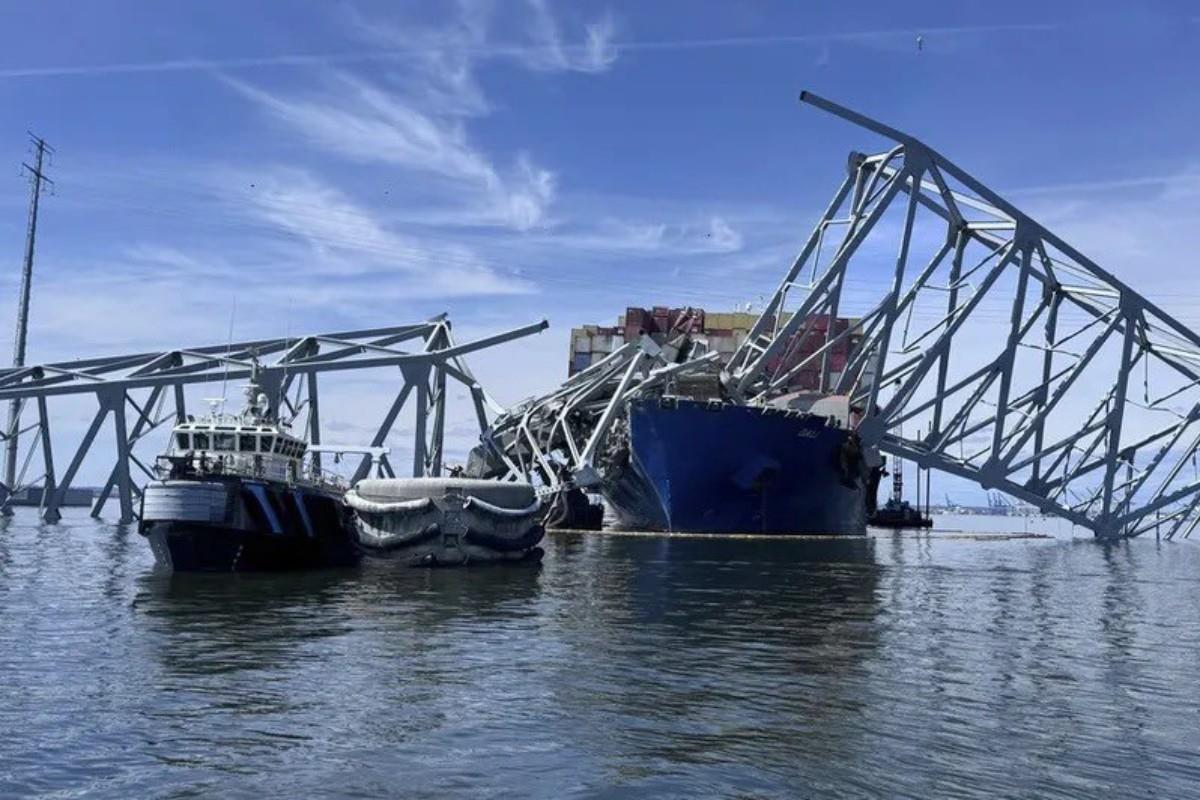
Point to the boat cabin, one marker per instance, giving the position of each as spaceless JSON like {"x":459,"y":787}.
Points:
{"x":244,"y":447}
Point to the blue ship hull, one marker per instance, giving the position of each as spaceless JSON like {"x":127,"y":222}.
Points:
{"x":719,"y":468}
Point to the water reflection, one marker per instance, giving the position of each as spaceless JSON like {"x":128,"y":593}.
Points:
{"x":714,"y":651}
{"x":221,"y":623}
{"x":476,"y":595}
{"x":897,"y":666}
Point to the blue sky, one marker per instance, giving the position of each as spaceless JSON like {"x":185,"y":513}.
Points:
{"x":355,"y":164}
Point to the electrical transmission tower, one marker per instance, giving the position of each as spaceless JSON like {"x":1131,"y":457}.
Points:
{"x":37,"y":178}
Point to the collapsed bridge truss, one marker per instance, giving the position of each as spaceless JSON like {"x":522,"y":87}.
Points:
{"x":989,"y":347}
{"x":560,"y":440}
{"x":982,"y":345}
{"x":140,"y":392}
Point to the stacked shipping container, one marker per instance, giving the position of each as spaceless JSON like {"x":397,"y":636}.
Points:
{"x":724,"y":332}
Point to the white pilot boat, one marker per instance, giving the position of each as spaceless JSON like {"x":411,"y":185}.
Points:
{"x":235,"y":494}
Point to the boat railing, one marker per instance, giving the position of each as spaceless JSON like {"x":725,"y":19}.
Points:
{"x":171,"y":466}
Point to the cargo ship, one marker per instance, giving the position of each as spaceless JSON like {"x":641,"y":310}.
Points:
{"x":689,"y":460}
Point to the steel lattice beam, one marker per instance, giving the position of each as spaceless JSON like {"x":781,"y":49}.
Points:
{"x":115,"y":380}
{"x":985,"y":342}
{"x":558,"y":440}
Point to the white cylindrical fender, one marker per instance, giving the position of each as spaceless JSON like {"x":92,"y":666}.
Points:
{"x":397,"y":507}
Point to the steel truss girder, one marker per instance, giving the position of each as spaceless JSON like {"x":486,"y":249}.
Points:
{"x":163,"y":375}
{"x":556,"y":440}
{"x":991,"y":267}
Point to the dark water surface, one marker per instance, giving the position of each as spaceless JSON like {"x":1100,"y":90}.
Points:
{"x":891,"y":666}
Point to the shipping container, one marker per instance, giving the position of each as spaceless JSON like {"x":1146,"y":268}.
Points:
{"x":725,"y":332}
{"x":580,"y":362}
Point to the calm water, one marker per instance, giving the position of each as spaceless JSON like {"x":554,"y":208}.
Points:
{"x":622,"y":667}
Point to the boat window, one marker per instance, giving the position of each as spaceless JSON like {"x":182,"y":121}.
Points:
{"x":200,"y":441}
{"x":245,"y":443}
{"x":264,"y":444}
{"x":279,"y":445}
{"x":181,"y":441}
{"x":223,"y":441}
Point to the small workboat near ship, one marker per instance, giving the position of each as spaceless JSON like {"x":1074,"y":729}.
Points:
{"x":235,"y":495}
{"x":446,"y":521}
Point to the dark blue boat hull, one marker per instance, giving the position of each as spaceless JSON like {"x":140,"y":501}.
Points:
{"x":266,"y":527}
{"x":184,"y":547}
{"x":720,"y":468}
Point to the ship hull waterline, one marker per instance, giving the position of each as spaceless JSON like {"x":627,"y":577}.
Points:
{"x":700,"y":467}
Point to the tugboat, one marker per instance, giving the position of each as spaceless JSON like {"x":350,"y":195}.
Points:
{"x":897,"y":512}
{"x":234,"y":495}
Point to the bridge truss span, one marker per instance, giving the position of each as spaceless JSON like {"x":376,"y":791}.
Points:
{"x":138,"y":393}
{"x":986,"y":346}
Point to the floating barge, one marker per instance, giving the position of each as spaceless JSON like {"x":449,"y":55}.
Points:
{"x":446,"y":521}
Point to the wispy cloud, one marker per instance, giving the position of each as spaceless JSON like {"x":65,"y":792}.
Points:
{"x":417,"y":121}
{"x":596,"y":54}
{"x":348,"y":239}
{"x":363,"y":122}
{"x":711,"y":236}
{"x":598,"y":49}
{"x":1186,"y":182}
{"x":866,"y":36}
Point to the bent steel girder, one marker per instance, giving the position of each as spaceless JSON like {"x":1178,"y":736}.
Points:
{"x":557,"y":441}
{"x":987,"y":347}
{"x":137,"y":394}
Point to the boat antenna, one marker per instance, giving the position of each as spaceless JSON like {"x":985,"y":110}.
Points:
{"x":228,"y":349}
{"x":287,"y":344}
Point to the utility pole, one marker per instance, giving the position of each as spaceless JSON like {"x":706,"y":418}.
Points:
{"x":37,"y":177}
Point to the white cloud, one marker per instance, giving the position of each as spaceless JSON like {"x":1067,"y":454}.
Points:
{"x":600,"y":50}
{"x":723,"y":237}
{"x":550,"y":52}
{"x":362,"y":122}
{"x":348,"y":239}
{"x":416,"y":120}
{"x":1146,"y":239}
{"x":596,"y":52}
{"x":616,"y":236}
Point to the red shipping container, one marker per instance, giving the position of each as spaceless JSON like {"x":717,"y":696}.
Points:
{"x":637,"y":322}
